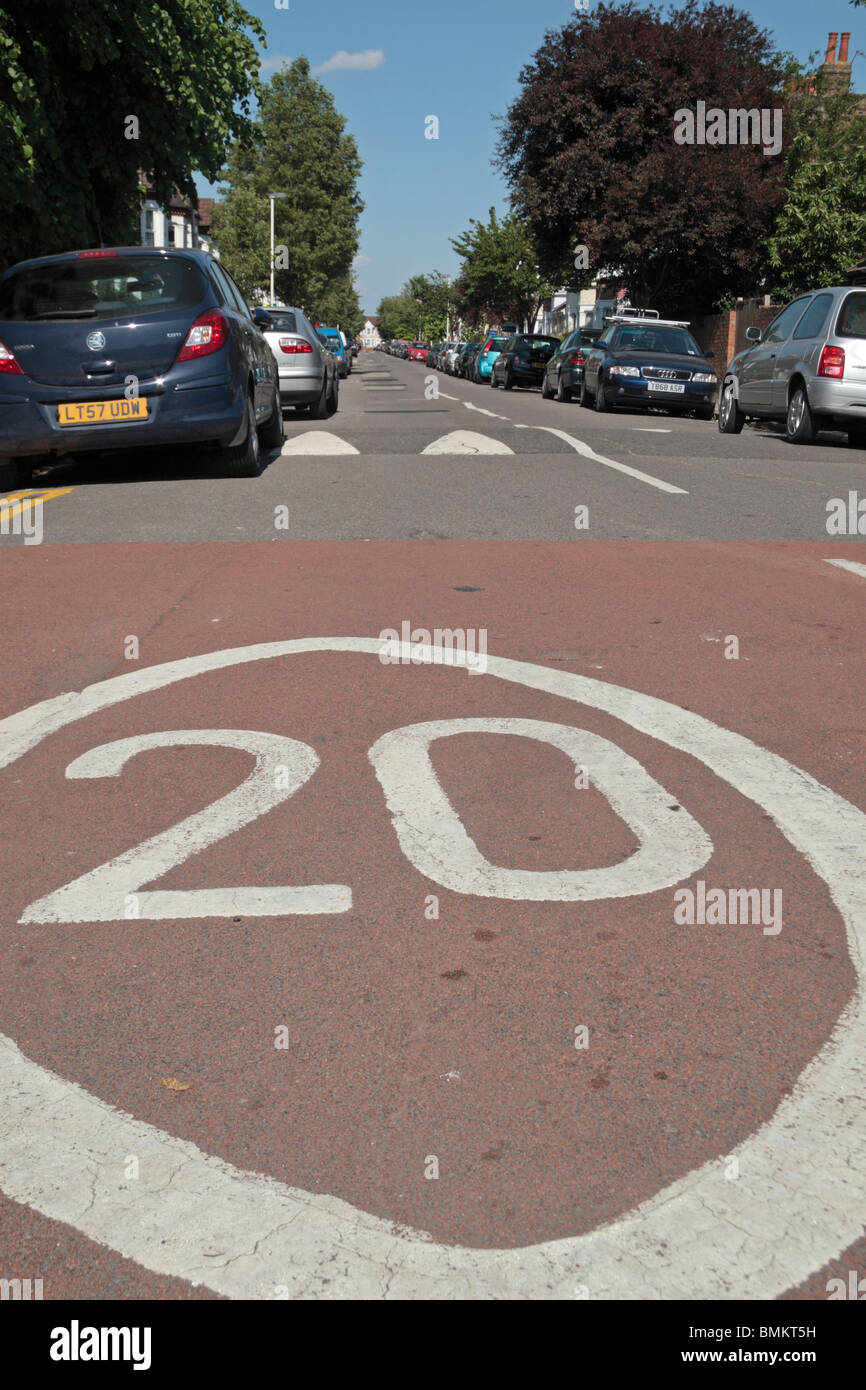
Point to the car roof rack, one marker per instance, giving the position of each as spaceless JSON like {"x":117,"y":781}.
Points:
{"x":651,"y":319}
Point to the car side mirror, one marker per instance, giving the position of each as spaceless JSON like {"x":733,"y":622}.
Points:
{"x":753,"y":335}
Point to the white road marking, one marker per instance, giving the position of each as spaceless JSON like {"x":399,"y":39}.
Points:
{"x":649,"y":429}
{"x":584,"y":449}
{"x":481,"y":411}
{"x":318,"y":442}
{"x":798,"y":1202}
{"x":446,"y":395}
{"x":435,"y":840}
{"x":371,"y":389}
{"x":852,"y":565}
{"x":466,"y":442}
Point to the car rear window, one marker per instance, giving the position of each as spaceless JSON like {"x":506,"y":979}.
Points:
{"x":497,"y":344}
{"x":852,"y":320}
{"x":284,"y":323}
{"x":102,"y":289}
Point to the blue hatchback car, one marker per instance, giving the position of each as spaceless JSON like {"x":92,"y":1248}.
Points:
{"x":335,"y":343}
{"x":112,"y":349}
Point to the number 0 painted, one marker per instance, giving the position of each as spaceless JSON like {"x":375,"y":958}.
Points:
{"x":672,"y":844}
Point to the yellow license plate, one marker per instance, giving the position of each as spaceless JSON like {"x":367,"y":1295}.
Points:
{"x":102,"y":412}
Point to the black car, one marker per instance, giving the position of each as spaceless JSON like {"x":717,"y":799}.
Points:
{"x":433,"y":354}
{"x":466,"y":358}
{"x":644,"y":361}
{"x":523,"y":360}
{"x":117,"y":348}
{"x":563,"y":375}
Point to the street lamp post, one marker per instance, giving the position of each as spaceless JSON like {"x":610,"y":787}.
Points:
{"x":272,"y":197}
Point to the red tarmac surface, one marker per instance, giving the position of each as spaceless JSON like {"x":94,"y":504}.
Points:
{"x":696,"y":1032}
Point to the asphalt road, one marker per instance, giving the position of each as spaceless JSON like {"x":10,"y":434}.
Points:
{"x":368,"y":474}
{"x":329,"y":975}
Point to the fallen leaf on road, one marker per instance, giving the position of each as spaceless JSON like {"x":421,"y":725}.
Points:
{"x":174,"y":1085}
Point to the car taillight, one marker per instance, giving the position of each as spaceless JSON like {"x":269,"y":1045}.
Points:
{"x":488,"y":346}
{"x":577,"y":360}
{"x":208,"y":334}
{"x":7,"y":361}
{"x":832,"y":361}
{"x":93,"y":255}
{"x":294,"y":345}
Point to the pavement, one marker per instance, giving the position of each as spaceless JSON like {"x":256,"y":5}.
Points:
{"x":328,"y":975}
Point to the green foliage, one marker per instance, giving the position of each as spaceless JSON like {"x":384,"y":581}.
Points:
{"x":398,"y":317}
{"x":300,"y":148}
{"x":820,"y":230}
{"x":499,"y":278}
{"x":185,"y":69}
{"x":419,"y":310}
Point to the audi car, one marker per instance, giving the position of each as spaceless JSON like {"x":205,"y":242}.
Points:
{"x":118,"y":348}
{"x":646,"y":361}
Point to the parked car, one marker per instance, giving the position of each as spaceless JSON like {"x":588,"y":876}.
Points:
{"x":523,"y":359}
{"x":808,"y":369}
{"x":467,"y":352}
{"x":133,"y":346}
{"x":335,"y":338}
{"x":418,"y":352}
{"x":563,"y":375}
{"x":432,"y":354}
{"x":642,"y":360}
{"x":487,"y":355}
{"x":307,"y":373}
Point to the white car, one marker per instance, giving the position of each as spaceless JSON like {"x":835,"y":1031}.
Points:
{"x":308,"y":375}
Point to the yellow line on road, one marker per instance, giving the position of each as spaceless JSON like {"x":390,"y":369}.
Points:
{"x":13,"y":504}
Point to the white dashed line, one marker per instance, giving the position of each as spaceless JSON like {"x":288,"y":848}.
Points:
{"x":584,"y":449}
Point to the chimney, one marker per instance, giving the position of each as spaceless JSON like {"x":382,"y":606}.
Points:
{"x":830,"y":55}
{"x":843,"y":48}
{"x":836,"y":74}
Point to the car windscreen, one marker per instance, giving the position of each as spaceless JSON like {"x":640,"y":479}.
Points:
{"x":852,"y":320}
{"x":419,"y":345}
{"x":675,"y":340}
{"x":283,"y":323}
{"x":116,"y":287}
{"x":334,"y":342}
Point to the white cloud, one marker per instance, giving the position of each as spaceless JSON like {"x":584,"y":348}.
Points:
{"x":271,"y":64}
{"x":361,"y":259}
{"x":353,"y":62}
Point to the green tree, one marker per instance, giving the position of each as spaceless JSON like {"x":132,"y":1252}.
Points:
{"x":398,"y":317}
{"x":499,"y":277}
{"x":820,"y":230}
{"x":94,"y":94}
{"x":339,"y":307}
{"x":588,"y":148}
{"x":300,"y":148}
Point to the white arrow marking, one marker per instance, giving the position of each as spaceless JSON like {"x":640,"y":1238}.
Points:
{"x":800,"y":1193}
{"x":466,"y":442}
{"x":318,"y":442}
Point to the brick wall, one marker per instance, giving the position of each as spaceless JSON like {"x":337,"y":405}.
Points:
{"x":725,"y":334}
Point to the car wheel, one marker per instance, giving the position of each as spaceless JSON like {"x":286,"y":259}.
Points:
{"x":16,"y":473}
{"x":508,"y":381}
{"x":319,"y":411}
{"x":271,"y":434}
{"x":546,"y":393}
{"x":493,"y":382}
{"x":800,"y":425}
{"x":585,"y":397}
{"x":334,"y":398}
{"x":244,"y":460}
{"x":731,"y":417}
{"x":601,"y":401}
{"x":563,"y":392}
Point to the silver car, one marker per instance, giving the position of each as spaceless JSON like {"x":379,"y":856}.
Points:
{"x":808,"y":369}
{"x":308,"y":374}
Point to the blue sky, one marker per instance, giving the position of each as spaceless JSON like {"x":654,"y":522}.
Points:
{"x":459,"y":60}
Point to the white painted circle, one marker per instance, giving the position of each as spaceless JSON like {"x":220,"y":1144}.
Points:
{"x":798,"y":1202}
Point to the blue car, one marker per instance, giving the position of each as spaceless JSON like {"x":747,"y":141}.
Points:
{"x":490,"y":350}
{"x":334,"y":340}
{"x":112,"y":349}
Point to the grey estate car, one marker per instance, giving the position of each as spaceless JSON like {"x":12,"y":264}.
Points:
{"x":808,"y":368}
